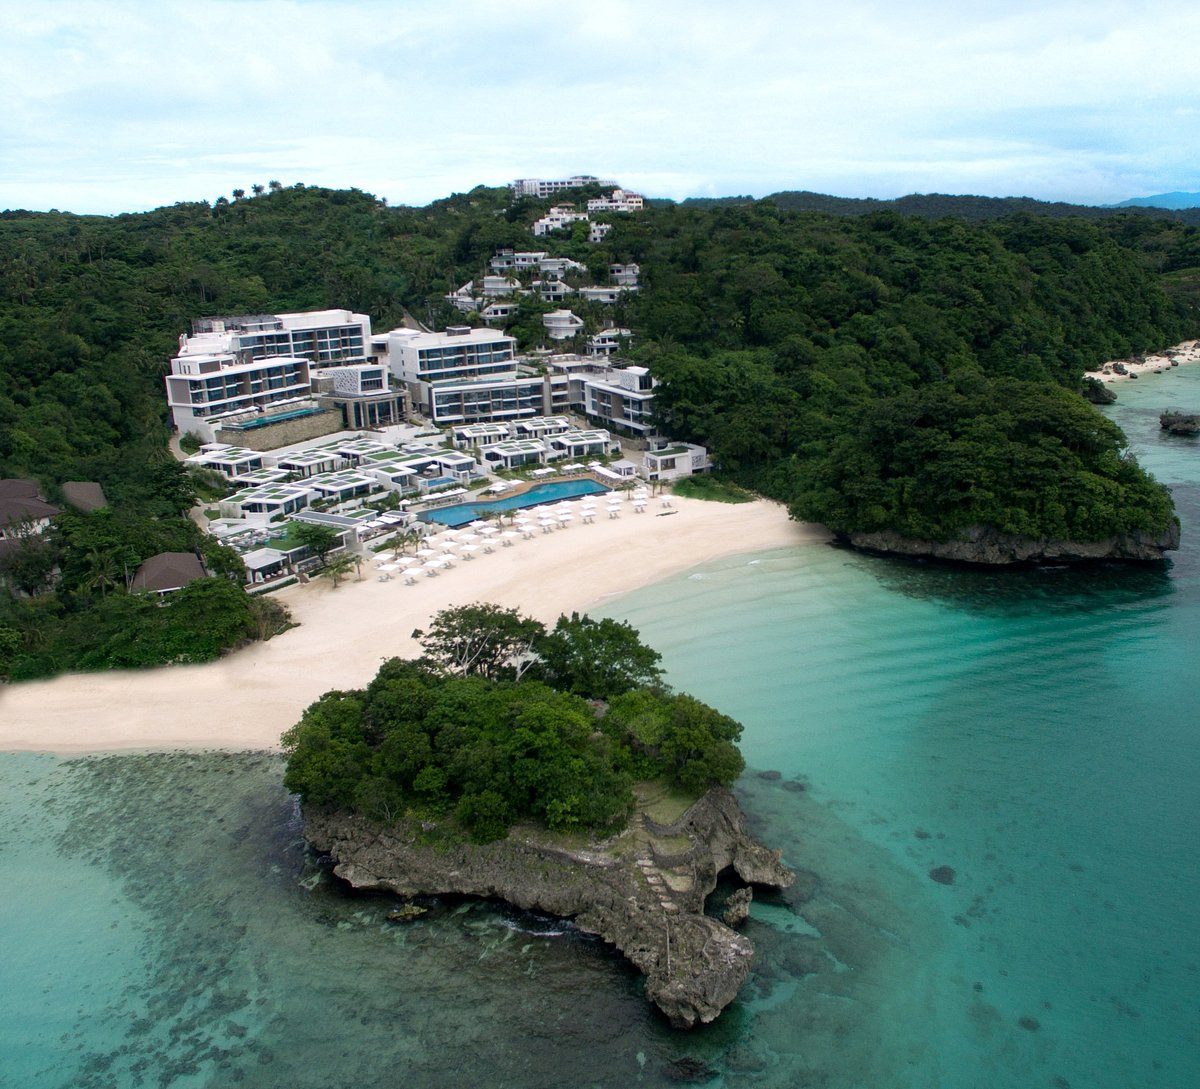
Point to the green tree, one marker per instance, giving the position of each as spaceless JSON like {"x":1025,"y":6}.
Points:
{"x":481,"y":639}
{"x":598,"y":659}
{"x":318,"y":539}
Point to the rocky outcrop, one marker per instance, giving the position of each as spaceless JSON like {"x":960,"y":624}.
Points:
{"x":1180,"y":423}
{"x":986,"y":545}
{"x":642,"y":890}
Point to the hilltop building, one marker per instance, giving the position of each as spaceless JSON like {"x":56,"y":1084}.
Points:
{"x":541,"y":188}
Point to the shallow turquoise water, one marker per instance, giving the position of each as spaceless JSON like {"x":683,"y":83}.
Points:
{"x":1038,"y":733}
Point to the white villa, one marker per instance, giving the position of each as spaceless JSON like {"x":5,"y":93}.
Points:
{"x":672,"y":462}
{"x":560,"y":216}
{"x":619,"y":201}
{"x":561,"y":324}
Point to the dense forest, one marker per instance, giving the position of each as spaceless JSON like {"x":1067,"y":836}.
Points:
{"x":875,"y":370}
{"x":502,"y":721}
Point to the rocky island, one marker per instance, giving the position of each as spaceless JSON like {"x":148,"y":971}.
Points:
{"x":552,"y":769}
{"x":642,"y":889}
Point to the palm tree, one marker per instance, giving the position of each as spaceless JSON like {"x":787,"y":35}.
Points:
{"x":238,"y":194}
{"x":258,"y":190}
{"x":101,"y":572}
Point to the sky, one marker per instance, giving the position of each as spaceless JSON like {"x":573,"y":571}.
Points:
{"x":124,"y":106}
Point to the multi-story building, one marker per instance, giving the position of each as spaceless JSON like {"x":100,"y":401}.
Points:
{"x":541,"y":188}
{"x":234,"y":369}
{"x":620,"y":201}
{"x":463,"y":375}
{"x":556,"y":219}
{"x":363,"y":394}
{"x":561,"y":324}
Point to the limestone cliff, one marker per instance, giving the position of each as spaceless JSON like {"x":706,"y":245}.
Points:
{"x":986,"y":545}
{"x":642,"y":890}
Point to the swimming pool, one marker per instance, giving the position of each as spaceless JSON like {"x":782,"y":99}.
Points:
{"x":462,"y":513}
{"x":251,"y":425}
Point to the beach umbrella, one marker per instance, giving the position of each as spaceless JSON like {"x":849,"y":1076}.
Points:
{"x":426,"y":553}
{"x":479,"y":523}
{"x":489,"y":531}
{"x":509,"y":536}
{"x":469,"y":551}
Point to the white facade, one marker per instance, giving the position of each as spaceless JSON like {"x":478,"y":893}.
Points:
{"x":620,"y":201}
{"x":235,"y":368}
{"x":556,"y":219}
{"x":561,"y":324}
{"x":540,"y":188}
{"x":675,"y":461}
{"x":463,"y":375}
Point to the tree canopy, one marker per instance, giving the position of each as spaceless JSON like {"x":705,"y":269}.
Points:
{"x":457,"y":735}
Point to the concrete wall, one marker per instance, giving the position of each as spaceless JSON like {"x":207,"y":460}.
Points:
{"x":284,"y":434}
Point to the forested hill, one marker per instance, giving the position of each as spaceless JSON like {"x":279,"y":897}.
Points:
{"x":942,"y":205}
{"x":797,"y":345}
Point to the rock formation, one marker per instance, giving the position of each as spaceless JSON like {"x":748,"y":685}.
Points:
{"x":986,"y":545}
{"x":642,"y":890}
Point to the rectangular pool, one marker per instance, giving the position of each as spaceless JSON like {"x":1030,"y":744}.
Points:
{"x":462,"y":513}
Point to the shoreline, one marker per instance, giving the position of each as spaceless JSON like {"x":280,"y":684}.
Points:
{"x":245,"y":701}
{"x":1186,"y":352}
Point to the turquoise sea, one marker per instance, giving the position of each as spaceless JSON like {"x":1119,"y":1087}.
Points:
{"x":1033,"y":739}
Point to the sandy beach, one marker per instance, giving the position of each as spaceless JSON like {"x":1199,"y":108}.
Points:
{"x":245,"y":701}
{"x":1187,"y":352}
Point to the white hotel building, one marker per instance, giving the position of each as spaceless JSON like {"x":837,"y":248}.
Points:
{"x":235,"y":369}
{"x":463,"y":375}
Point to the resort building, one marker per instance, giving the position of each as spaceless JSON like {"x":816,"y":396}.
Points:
{"x":464,"y":298}
{"x":606,"y":295}
{"x":475,"y":436}
{"x":562,"y":324}
{"x":675,"y":461}
{"x":541,"y":427}
{"x":463,"y":375}
{"x":597,"y":232}
{"x":263,"y":505}
{"x":519,"y":261}
{"x":608,"y":341}
{"x":167,"y":572}
{"x":558,"y":218}
{"x":619,"y":201}
{"x":540,"y":188}
{"x":513,"y":453}
{"x":559,"y":266}
{"x":256,"y":368}
{"x":621,"y":398}
{"x":580,"y":444}
{"x":626,"y":275}
{"x":23,"y":513}
{"x":363,"y":394}
{"x":551,"y":290}
{"x":495,"y":313}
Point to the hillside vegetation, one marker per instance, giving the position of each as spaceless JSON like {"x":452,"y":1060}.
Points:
{"x":874,"y":370}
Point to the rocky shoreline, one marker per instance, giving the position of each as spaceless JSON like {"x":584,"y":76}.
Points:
{"x":985,"y":546}
{"x":642,"y":890}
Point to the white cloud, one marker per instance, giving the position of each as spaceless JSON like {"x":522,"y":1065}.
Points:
{"x":122,"y":105}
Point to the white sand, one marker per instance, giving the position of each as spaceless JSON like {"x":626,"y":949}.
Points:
{"x":247,"y":700}
{"x":1187,"y":352}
